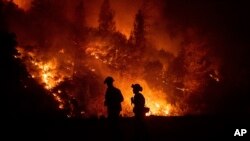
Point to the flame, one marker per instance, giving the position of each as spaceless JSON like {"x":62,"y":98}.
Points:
{"x":97,"y":50}
{"x":156,"y":100}
{"x":48,"y":73}
{"x":45,"y":72}
{"x":59,"y":100}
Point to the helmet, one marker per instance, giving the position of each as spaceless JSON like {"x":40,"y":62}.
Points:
{"x":109,"y":79}
{"x":137,"y":87}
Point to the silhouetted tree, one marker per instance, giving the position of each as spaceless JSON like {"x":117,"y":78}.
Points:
{"x":106,"y":17}
{"x":137,"y":42}
{"x":137,"y":37}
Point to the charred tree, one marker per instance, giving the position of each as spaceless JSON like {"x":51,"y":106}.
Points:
{"x":137,"y":42}
{"x":137,"y":37}
{"x":106,"y":18}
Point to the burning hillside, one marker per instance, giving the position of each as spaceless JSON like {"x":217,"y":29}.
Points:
{"x":70,"y":57}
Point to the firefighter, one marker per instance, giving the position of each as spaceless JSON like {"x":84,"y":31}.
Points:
{"x":141,"y":131}
{"x":113,"y":99}
{"x":139,"y":102}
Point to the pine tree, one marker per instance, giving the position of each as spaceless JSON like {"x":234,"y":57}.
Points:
{"x":137,"y":36}
{"x":106,"y":18}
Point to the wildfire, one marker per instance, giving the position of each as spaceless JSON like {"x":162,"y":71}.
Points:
{"x":77,"y":53}
{"x":97,"y":50}
{"x":48,"y":73}
{"x":156,"y":100}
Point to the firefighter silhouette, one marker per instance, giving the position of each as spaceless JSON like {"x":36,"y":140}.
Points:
{"x":139,"y":102}
{"x":140,"y":129}
{"x":113,"y":99}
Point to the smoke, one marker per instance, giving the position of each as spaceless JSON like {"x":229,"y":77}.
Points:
{"x":159,"y":35}
{"x":179,"y":66}
{"x":23,"y":4}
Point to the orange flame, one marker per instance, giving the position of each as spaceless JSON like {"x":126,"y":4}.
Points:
{"x":45,"y":72}
{"x":156,"y":100}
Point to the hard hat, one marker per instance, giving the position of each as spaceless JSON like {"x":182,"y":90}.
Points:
{"x":109,"y":79}
{"x":137,"y":87}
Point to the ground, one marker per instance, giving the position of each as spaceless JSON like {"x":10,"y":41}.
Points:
{"x":154,"y":128}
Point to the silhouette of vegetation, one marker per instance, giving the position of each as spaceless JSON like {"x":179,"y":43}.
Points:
{"x":106,"y":18}
{"x":137,"y":37}
{"x":24,"y":96}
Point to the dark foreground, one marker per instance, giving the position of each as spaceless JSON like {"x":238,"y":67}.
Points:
{"x":154,"y":128}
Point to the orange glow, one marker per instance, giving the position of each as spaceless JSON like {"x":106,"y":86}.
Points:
{"x":24,"y":4}
{"x":156,"y":100}
{"x":48,"y":73}
{"x":169,"y":67}
{"x":45,"y":72}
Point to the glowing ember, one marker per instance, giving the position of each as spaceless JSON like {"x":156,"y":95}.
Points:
{"x":216,"y":78}
{"x":59,"y":100}
{"x":46,"y":72}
